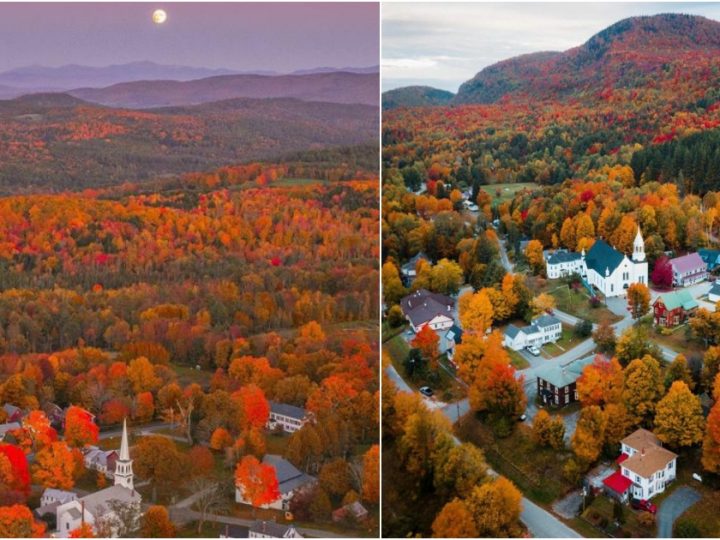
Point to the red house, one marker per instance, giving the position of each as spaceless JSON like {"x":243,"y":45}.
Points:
{"x":673,"y":308}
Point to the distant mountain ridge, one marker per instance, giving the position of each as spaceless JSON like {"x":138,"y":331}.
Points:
{"x":415,"y":96}
{"x":332,"y":87}
{"x":627,"y":54}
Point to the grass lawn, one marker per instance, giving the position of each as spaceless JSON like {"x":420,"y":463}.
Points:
{"x":187,"y":375}
{"x":537,"y":472}
{"x":276,"y":443}
{"x":517,"y":360}
{"x":573,"y":301}
{"x":704,"y":514}
{"x":504,"y":192}
{"x":389,"y":332}
{"x":447,"y":388}
{"x":210,"y":529}
{"x":600,"y":514}
{"x":567,"y":341}
{"x":677,"y":340}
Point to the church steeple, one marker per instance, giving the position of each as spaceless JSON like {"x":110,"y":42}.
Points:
{"x":638,"y":247}
{"x":123,"y":466}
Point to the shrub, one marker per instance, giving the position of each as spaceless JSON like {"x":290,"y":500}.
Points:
{"x":685,"y":528}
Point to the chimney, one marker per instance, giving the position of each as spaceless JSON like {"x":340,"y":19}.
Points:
{"x":642,"y":452}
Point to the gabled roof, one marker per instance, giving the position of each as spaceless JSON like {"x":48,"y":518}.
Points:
{"x":601,"y":256}
{"x":681,"y":298}
{"x":649,"y":460}
{"x":641,"y":438}
{"x":561,"y":376}
{"x":692,"y":262}
{"x":298,"y":413}
{"x":512,"y":331}
{"x":60,"y":494}
{"x":11,"y":409}
{"x":563,"y":256}
{"x":288,"y":476}
{"x":412,"y":263}
{"x":715,"y":289}
{"x":273,"y":529}
{"x":97,"y":503}
{"x":546,"y":320}
{"x":423,"y":306}
{"x":455,"y":333}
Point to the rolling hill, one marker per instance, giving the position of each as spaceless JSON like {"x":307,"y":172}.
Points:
{"x":415,"y":96}
{"x":334,"y":87}
{"x":57,"y":142}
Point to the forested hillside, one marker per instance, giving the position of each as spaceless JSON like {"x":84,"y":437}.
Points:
{"x":54,"y":142}
{"x":547,"y":117}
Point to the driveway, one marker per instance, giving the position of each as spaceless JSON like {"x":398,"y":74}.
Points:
{"x":672,"y":507}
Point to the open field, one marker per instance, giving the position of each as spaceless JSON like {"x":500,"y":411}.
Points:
{"x":504,"y":192}
{"x":573,"y":301}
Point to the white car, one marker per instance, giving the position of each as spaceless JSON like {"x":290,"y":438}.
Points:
{"x":533,"y":350}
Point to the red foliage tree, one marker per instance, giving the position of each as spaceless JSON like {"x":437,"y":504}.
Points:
{"x":18,"y":481}
{"x":662,"y":274}
{"x":80,"y":430}
{"x":257,"y":481}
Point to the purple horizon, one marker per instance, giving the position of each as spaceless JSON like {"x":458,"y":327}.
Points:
{"x":279,"y":37}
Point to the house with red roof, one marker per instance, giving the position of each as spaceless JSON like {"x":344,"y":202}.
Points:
{"x":645,"y":468}
{"x":688,"y":270}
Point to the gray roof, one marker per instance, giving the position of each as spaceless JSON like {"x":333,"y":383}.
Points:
{"x":288,"y":476}
{"x":74,"y":512}
{"x":97,"y":503}
{"x":60,"y":494}
{"x":561,"y":376}
{"x":234,"y":531}
{"x":284,"y":409}
{"x":423,"y":306}
{"x":47,"y":509}
{"x":512,"y":331}
{"x":546,"y":320}
{"x":563,"y":256}
{"x":271,"y":528}
{"x":11,"y":409}
{"x":10,"y":426}
{"x":412,"y":263}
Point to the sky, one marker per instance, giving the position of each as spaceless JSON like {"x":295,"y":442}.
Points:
{"x":241,"y":36}
{"x":443,"y":45}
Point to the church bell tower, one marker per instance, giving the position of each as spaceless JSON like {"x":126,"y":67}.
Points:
{"x":123,"y":466}
{"x":638,"y":247}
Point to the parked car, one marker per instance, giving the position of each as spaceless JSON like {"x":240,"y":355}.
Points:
{"x":533,"y":350}
{"x":522,"y":417}
{"x":645,"y":506}
{"x":426,"y":391}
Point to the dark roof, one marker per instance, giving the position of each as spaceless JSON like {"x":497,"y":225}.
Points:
{"x":457,"y":334}
{"x":601,"y":256}
{"x":235,"y":531}
{"x":710,"y":256}
{"x":271,"y":528}
{"x":562,"y":256}
{"x":288,"y":476}
{"x":546,"y":320}
{"x":287,"y":410}
{"x":715,"y":289}
{"x":512,"y":331}
{"x":423,"y":306}
{"x":410,"y":265}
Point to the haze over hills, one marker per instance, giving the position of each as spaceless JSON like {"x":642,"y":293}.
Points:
{"x":631,"y":53}
{"x":33,"y":79}
{"x":335,"y":87}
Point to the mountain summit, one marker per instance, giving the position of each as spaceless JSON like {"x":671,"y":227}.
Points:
{"x":630,"y":53}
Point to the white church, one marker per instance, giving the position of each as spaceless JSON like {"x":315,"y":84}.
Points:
{"x":96,"y":509}
{"x":604,"y":267}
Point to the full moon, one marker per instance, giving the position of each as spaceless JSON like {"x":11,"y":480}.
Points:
{"x":159,"y":16}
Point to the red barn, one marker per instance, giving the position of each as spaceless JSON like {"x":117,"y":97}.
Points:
{"x":673,"y":308}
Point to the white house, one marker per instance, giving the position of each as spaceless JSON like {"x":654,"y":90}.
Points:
{"x":290,"y":481}
{"x":425,"y":308}
{"x":52,"y":495}
{"x":544,"y":329}
{"x":99,"y":460}
{"x":563,"y":263}
{"x":604,"y":267}
{"x":288,"y":417}
{"x":646,"y":468}
{"x":96,"y":509}
{"x":272,"y":529}
{"x":688,"y":270}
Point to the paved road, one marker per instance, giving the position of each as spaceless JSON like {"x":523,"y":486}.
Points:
{"x":542,"y":524}
{"x":190,"y":515}
{"x":398,"y":380}
{"x":671,"y":508}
